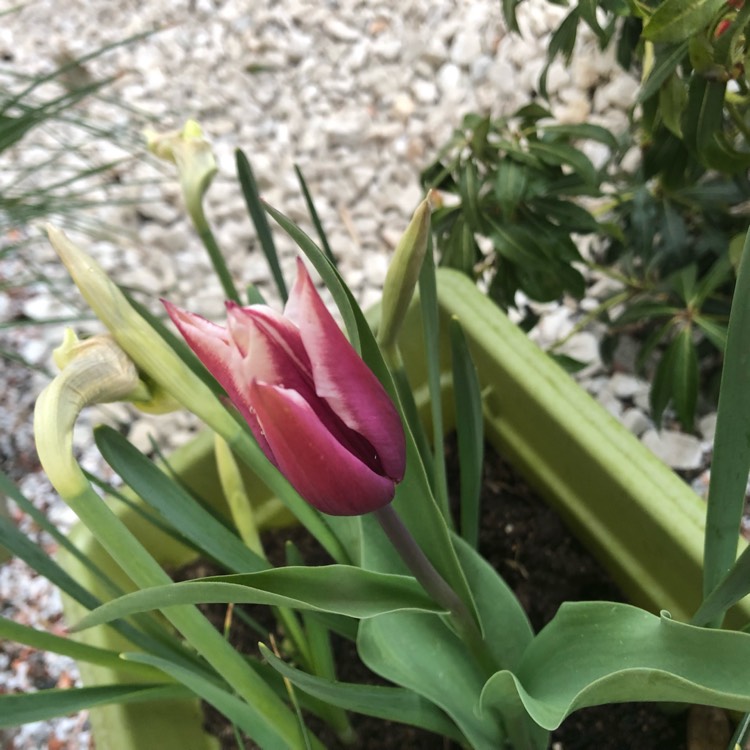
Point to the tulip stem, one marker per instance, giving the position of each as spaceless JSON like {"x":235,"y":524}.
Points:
{"x":434,"y":584}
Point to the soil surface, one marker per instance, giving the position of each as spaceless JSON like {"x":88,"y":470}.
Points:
{"x":535,"y":553}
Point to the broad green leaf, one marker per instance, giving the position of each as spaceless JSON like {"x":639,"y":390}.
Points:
{"x":339,"y":589}
{"x":593,"y":653}
{"x":702,"y":115}
{"x":677,"y":20}
{"x":22,"y":708}
{"x":510,"y":183}
{"x":419,"y":652}
{"x":175,"y":503}
{"x":566,"y":214}
{"x":390,"y":703}
{"x":258,"y":215}
{"x":731,"y":456}
{"x":470,"y":430}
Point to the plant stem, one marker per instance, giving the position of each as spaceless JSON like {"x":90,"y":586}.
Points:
{"x":214,"y":252}
{"x":435,"y":585}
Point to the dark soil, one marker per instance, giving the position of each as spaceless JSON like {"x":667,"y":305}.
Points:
{"x":534,"y":552}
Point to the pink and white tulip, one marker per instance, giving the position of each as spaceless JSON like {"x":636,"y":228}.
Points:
{"x":317,"y":411}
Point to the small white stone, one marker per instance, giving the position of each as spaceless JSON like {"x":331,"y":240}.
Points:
{"x":676,"y":449}
{"x":625,"y":386}
{"x":636,"y":421}
{"x":425,"y":92}
{"x":339,"y":30}
{"x":466,"y":47}
{"x":707,"y":427}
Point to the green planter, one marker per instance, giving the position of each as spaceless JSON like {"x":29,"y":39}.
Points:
{"x":642,"y":522}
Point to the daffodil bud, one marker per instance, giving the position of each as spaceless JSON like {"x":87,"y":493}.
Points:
{"x":93,"y":371}
{"x":169,"y":379}
{"x":191,"y":152}
{"x":403,"y":272}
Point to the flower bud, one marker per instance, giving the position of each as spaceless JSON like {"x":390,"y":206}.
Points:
{"x":403,"y":273}
{"x":317,"y":411}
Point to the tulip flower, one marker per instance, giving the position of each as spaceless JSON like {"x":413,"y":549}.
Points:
{"x":317,"y":411}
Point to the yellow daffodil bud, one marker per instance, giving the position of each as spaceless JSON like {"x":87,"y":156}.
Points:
{"x":191,"y":152}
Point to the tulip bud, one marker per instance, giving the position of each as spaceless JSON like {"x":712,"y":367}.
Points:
{"x":317,"y":411}
{"x":191,"y":152}
{"x":403,"y":272}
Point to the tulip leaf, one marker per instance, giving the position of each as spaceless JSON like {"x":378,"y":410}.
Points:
{"x":470,"y":430}
{"x":391,"y":703}
{"x":22,"y":708}
{"x":339,"y":589}
{"x":593,"y":653}
{"x":420,"y":653}
{"x":733,"y":587}
{"x":731,"y":456}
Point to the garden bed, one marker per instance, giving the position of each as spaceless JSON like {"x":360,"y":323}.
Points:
{"x":528,"y":543}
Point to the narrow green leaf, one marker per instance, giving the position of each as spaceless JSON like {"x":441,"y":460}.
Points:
{"x":562,"y":153}
{"x":470,"y":430}
{"x":583,"y":131}
{"x":22,"y":708}
{"x":237,"y":711}
{"x":714,"y":332}
{"x":685,"y":377}
{"x":174,"y":503}
{"x":662,"y":385}
{"x":677,"y":20}
{"x":734,"y":586}
{"x":469,"y":186}
{"x":339,"y":589}
{"x":594,"y":653}
{"x":390,"y":703}
{"x":431,"y":331}
{"x":731,"y":456}
{"x":665,"y":65}
{"x":258,"y":215}
{"x":314,"y":215}
{"x":672,"y":102}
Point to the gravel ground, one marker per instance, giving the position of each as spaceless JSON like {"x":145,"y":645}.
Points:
{"x":360,"y":95}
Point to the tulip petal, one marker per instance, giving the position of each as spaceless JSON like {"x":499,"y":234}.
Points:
{"x":221,"y":357}
{"x":343,"y":379}
{"x":323,"y":471}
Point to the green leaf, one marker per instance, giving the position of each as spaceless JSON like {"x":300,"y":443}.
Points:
{"x":715,"y":333}
{"x":685,"y":377}
{"x":562,"y":153}
{"x":702,"y":116}
{"x":314,"y":215}
{"x":593,"y":653}
{"x":469,"y":188}
{"x":175,"y":503}
{"x":734,"y":586}
{"x":677,"y":20}
{"x":562,"y":41}
{"x":731,"y":456}
{"x":420,"y":653}
{"x":582,"y":130}
{"x":241,"y":714}
{"x":665,"y":66}
{"x":672,"y":102}
{"x":339,"y":589}
{"x":258,"y":215}
{"x":470,"y":430}
{"x":22,"y":708}
{"x":510,"y":184}
{"x":661,"y":387}
{"x":390,"y":703}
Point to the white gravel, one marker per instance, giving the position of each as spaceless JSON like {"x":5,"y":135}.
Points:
{"x":359,"y":94}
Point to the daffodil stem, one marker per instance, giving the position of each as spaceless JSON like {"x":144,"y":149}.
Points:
{"x":434,"y":584}
{"x":214,"y":252}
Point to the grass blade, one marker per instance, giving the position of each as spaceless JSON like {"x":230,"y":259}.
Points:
{"x":314,"y":215}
